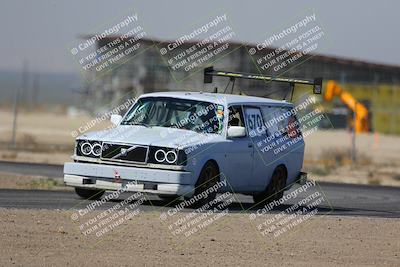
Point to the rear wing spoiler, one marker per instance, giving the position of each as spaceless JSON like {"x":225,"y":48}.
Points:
{"x":210,"y":72}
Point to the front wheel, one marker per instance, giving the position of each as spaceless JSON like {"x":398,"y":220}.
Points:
{"x":209,"y":176}
{"x":93,"y":194}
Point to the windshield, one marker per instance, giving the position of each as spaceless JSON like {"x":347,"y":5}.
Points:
{"x":203,"y":117}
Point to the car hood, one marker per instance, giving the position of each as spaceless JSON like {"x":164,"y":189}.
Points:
{"x":155,"y":136}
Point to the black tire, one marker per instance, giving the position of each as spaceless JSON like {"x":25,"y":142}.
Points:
{"x":93,"y":194}
{"x":209,"y":176}
{"x":274,"y":190}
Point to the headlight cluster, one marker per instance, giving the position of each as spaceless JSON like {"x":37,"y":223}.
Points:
{"x":86,"y":148}
{"x":169,"y":156}
{"x":162,"y":156}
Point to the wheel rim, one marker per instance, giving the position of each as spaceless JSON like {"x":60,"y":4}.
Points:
{"x":208,"y":178}
{"x":277,"y":180}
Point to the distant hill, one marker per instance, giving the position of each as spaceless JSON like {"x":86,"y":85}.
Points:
{"x":52,"y":88}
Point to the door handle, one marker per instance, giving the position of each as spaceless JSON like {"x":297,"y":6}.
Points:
{"x":250,"y":145}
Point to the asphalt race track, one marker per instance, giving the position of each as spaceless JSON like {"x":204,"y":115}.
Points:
{"x":339,"y":199}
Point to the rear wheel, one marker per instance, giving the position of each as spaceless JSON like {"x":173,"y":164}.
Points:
{"x":209,"y":176}
{"x":93,"y":194}
{"x":274,"y":190}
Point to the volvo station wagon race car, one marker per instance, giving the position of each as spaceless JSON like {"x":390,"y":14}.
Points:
{"x":184,"y":143}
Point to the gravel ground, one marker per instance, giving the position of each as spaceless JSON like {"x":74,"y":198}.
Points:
{"x":51,"y":238}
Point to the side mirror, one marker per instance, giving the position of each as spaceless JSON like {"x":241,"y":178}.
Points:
{"x":236,"y":131}
{"x":115,"y":119}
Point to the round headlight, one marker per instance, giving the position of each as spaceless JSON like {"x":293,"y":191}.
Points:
{"x":171,"y":157}
{"x":86,"y":148}
{"x":96,"y":149}
{"x":160,"y":155}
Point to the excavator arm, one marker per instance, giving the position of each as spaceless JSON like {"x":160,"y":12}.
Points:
{"x":361,"y":112}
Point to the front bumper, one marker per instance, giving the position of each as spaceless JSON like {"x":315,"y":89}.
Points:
{"x":134,"y":179}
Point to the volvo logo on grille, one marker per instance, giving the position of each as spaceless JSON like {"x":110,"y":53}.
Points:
{"x":124,"y":152}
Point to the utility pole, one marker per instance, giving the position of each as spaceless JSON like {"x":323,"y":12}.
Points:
{"x":392,"y":110}
{"x":353,"y":129}
{"x":17,"y":100}
{"x":353,"y":134}
{"x":35,"y":91}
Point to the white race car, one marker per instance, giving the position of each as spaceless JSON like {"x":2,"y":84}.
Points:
{"x":184,"y":143}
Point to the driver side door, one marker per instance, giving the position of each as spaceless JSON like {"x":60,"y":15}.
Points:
{"x":238,"y":154}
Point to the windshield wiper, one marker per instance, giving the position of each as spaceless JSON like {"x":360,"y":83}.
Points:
{"x":142,"y":124}
{"x":135,"y":123}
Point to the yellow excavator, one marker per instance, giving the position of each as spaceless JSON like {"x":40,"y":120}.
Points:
{"x":361,"y":122}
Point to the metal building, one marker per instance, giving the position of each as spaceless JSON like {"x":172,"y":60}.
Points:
{"x":147,"y":71}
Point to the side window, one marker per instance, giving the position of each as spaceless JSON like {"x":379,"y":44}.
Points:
{"x":235,"y":116}
{"x":293,"y":126}
{"x":254,"y":121}
{"x":279,"y":121}
{"x":271,"y":117}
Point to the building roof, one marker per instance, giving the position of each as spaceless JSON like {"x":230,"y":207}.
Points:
{"x":320,"y":57}
{"x":218,"y":98}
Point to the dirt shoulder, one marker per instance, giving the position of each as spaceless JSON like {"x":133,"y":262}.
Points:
{"x":40,"y":237}
{"x":16,"y":181}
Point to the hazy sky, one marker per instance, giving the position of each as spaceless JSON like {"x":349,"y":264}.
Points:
{"x":41,"y":30}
